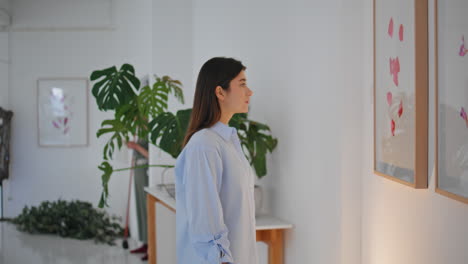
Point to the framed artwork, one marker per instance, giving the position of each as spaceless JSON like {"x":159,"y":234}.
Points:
{"x":5,"y":132}
{"x":401,"y":91}
{"x":62,"y":111}
{"x":451,"y":57}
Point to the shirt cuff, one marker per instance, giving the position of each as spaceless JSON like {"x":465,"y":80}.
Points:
{"x":213,"y":248}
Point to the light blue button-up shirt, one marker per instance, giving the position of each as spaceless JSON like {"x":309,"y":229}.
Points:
{"x":215,"y":211}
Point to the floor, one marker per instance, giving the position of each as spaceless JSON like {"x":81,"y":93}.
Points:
{"x":22,"y":248}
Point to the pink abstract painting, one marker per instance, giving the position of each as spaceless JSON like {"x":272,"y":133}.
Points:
{"x":463,"y":50}
{"x":400,"y":109}
{"x":399,"y":112}
{"x":395,"y":69}
{"x":59,"y":103}
{"x":390,"y":28}
{"x":400,"y":32}
{"x":464,"y":116}
{"x":394,"y":64}
{"x":62,"y":105}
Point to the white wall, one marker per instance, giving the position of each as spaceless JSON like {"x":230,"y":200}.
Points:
{"x":4,"y":59}
{"x":5,"y":11}
{"x":69,"y":173}
{"x":5,"y":4}
{"x":310,"y":67}
{"x":172,"y":55}
{"x":304,"y":64}
{"x":172,"y":35}
{"x":400,"y":224}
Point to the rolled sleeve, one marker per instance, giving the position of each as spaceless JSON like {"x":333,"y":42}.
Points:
{"x":214,"y":249}
{"x":207,"y":230}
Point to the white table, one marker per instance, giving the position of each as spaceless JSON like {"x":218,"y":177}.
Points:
{"x":270,"y":230}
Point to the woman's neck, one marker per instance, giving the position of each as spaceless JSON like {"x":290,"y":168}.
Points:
{"x":225,"y":118}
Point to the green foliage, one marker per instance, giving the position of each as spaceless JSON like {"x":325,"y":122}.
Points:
{"x":114,"y":88}
{"x":256,"y":140}
{"x":75,"y":219}
{"x":107,"y":172}
{"x":168,"y":131}
{"x":118,"y":91}
{"x":119,"y":131}
{"x":152,"y":100}
{"x":127,"y":121}
{"x":145,"y":114}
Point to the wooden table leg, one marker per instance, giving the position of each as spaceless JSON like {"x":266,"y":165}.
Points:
{"x":151,"y":217}
{"x":276,"y":247}
{"x":275,"y":240}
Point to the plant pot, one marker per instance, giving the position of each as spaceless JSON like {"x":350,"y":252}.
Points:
{"x":258,"y":198}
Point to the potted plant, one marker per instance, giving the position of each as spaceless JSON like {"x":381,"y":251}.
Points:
{"x":143,"y":112}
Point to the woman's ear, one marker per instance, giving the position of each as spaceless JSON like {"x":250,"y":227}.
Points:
{"x":219,"y":93}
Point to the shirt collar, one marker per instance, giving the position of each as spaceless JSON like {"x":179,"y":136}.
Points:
{"x":223,"y":130}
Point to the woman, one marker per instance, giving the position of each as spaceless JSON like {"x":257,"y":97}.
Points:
{"x":214,"y":182}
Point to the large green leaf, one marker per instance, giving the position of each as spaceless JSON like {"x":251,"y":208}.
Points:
{"x":153,"y":101}
{"x":256,"y":141}
{"x":174,"y":87}
{"x":119,"y":131}
{"x":114,"y":88}
{"x":107,"y":172}
{"x":168,"y":131}
{"x":128,"y":121}
{"x":237,"y":120}
{"x":184,"y":119}
{"x":131,"y":116}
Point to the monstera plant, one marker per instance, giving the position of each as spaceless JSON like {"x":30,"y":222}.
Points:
{"x":142,"y":111}
{"x":256,"y":140}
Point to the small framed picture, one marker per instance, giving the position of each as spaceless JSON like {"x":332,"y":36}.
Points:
{"x":62,"y":112}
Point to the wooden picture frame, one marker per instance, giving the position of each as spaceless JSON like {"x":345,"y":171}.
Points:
{"x":451,"y":99}
{"x":401,"y":91}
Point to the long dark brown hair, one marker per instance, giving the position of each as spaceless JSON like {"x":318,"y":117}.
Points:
{"x":206,"y":111}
